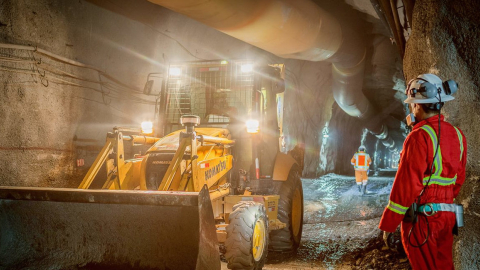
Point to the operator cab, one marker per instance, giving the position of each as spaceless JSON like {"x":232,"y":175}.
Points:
{"x":225,"y":95}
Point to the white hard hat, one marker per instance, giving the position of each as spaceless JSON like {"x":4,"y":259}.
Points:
{"x":429,"y":88}
{"x":361,"y":148}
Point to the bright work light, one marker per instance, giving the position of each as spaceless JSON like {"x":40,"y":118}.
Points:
{"x":247,"y":68}
{"x":175,"y":71}
{"x":253,"y":126}
{"x":147,"y":127}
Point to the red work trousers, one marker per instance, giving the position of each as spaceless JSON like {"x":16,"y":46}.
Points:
{"x":436,"y":253}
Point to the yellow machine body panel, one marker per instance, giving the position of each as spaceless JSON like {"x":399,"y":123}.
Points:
{"x":211,"y":170}
{"x":283,"y":164}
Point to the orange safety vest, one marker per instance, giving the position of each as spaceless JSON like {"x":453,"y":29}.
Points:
{"x":361,"y":161}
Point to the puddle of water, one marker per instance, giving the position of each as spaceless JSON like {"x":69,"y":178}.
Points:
{"x":334,"y":198}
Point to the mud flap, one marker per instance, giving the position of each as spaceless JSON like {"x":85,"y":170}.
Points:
{"x":44,"y":228}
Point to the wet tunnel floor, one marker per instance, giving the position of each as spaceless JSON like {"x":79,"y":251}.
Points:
{"x":338,"y":223}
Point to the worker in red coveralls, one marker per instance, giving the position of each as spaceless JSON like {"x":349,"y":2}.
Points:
{"x":429,"y":176}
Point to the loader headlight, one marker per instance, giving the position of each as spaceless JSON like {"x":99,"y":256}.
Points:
{"x":147,"y":127}
{"x":253,"y":126}
{"x":175,"y":71}
{"x":246,"y":68}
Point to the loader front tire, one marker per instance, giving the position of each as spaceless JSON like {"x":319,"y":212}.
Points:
{"x":247,"y":237}
{"x":290,"y":212}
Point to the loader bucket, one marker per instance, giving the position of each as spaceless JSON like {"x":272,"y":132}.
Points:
{"x":45,"y":228}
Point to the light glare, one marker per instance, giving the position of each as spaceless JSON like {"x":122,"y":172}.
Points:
{"x":175,"y":71}
{"x":247,"y":68}
{"x":253,"y":126}
{"x":147,"y":127}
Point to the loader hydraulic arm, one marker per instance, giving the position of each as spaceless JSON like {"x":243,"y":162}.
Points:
{"x":177,"y":159}
{"x":113,"y":155}
{"x":97,"y":164}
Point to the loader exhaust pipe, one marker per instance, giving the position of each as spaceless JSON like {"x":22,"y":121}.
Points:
{"x":71,"y":228}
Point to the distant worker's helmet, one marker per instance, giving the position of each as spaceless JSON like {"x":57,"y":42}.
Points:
{"x":429,"y":88}
{"x":361,"y":148}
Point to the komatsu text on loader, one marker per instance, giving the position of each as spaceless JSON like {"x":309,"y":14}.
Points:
{"x":217,"y":181}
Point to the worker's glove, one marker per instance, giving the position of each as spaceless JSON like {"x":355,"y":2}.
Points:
{"x":387,"y":236}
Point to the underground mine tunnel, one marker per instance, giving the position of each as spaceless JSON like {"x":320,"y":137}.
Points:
{"x":168,"y":134}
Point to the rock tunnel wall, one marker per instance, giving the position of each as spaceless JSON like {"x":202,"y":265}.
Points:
{"x":445,"y":41}
{"x":311,"y":106}
{"x":48,"y":122}
{"x":345,"y":136}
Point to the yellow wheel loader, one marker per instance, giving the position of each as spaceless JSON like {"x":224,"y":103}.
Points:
{"x":217,"y":182}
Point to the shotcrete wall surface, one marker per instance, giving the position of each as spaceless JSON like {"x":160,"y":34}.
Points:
{"x":47,"y":124}
{"x":445,"y":41}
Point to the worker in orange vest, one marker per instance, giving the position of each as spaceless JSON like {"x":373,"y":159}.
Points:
{"x":361,"y":162}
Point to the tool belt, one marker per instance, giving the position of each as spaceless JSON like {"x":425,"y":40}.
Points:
{"x":430,"y":209}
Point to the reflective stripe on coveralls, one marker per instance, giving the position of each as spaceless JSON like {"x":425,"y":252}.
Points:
{"x":397,"y":208}
{"x":436,"y":178}
{"x":460,"y":138}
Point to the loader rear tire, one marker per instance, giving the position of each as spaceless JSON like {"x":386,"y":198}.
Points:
{"x":290,"y":212}
{"x":247,"y":237}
